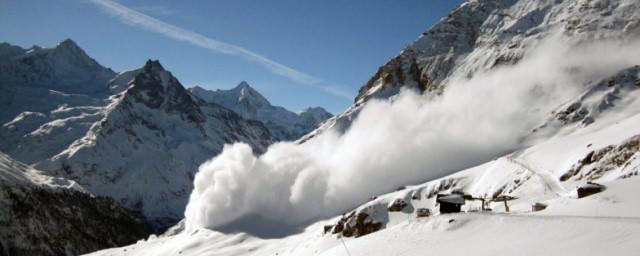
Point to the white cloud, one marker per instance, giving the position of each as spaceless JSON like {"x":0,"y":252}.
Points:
{"x":140,"y":20}
{"x":156,"y":9}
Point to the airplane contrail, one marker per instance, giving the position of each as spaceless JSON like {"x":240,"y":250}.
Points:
{"x":143,"y":21}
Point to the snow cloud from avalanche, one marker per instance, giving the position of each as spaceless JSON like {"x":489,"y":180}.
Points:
{"x":405,"y":141}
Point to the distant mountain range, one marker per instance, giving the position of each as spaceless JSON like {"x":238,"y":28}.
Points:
{"x":250,"y":104}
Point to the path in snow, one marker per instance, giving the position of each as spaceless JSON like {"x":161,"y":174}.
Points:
{"x":551,"y":182}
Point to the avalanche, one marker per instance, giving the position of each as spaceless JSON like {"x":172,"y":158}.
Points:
{"x":608,"y":222}
{"x":523,"y":99}
{"x":411,"y":138}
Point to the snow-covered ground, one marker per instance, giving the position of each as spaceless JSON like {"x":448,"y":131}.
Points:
{"x":608,"y":222}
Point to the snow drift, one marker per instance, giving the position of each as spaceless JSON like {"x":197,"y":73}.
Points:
{"x":403,"y":141}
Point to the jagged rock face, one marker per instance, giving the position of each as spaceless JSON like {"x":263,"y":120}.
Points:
{"x":147,"y":149}
{"x":170,"y":96}
{"x":428,"y":61}
{"x":250,"y":104}
{"x":39,"y":215}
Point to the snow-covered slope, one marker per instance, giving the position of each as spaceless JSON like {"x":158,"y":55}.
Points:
{"x":250,"y":104}
{"x":146,"y":149}
{"x":45,"y":215}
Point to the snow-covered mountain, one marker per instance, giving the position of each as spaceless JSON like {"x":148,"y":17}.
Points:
{"x":49,"y":98}
{"x":146,"y":149}
{"x":65,"y":68}
{"x":479,"y":57}
{"x":485,"y":35}
{"x":250,"y":104}
{"x":45,"y":215}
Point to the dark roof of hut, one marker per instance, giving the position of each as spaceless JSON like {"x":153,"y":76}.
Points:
{"x":591,"y":185}
{"x":452,"y":199}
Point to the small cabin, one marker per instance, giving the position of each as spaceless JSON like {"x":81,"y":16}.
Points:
{"x":450,"y":203}
{"x":589,"y":189}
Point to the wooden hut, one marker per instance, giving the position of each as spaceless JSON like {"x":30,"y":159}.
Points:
{"x":450,"y":203}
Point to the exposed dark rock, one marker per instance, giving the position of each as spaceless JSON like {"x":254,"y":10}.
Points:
{"x":423,"y":212}
{"x":397,"y":205}
{"x":599,"y":162}
{"x":356,"y":225}
{"x":37,"y":221}
{"x":589,"y":189}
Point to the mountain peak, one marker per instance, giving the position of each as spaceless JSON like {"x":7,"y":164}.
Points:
{"x":68,"y":44}
{"x":153,"y":66}
{"x":314,"y":109}
{"x":243,"y":85}
{"x":243,"y":92}
{"x":315,"y":115}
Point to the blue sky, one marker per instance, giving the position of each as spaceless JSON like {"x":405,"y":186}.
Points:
{"x":297,"y":53}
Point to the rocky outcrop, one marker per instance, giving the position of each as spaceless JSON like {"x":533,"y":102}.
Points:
{"x":603,"y":161}
{"x":356,"y":224}
{"x":397,"y":205}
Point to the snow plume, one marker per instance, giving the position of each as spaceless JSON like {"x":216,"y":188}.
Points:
{"x":408,"y":140}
